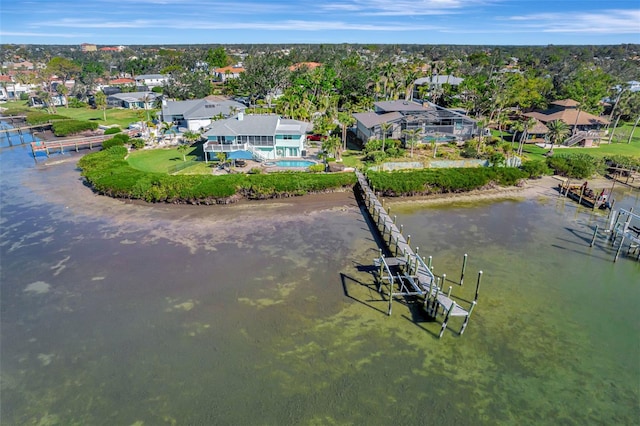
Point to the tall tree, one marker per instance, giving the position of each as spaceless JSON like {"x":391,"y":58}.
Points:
{"x":412,"y":137}
{"x":558,"y":131}
{"x":100,"y":100}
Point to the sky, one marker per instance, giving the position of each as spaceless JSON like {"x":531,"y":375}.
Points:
{"x":469,"y":22}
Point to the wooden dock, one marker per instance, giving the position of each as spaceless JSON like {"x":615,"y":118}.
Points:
{"x":405,"y":273}
{"x":72,"y":144}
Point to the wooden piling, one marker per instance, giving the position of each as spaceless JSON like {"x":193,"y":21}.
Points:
{"x":464,"y":265}
{"x":478,"y":285}
{"x":595,"y":234}
{"x":615,"y":259}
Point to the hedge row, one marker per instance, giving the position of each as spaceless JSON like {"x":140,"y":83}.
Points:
{"x":71,"y":127}
{"x":110,"y":174}
{"x":38,"y":117}
{"x":437,"y":181}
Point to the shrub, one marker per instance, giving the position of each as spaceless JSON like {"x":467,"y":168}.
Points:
{"x":111,"y":143}
{"x":578,"y":166}
{"x":40,"y":117}
{"x":316,"y":168}
{"x":137,"y":143}
{"x":122,"y":137}
{"x":76,"y":103}
{"x":112,"y":130}
{"x":536,"y":169}
{"x":71,"y":127}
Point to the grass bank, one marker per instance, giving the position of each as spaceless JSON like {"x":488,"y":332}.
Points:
{"x":121,"y":117}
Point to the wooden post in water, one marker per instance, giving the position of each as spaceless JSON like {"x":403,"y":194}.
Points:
{"x":409,"y":239}
{"x":615,"y":259}
{"x":464,"y":265}
{"x":595,"y":234}
{"x":581,"y":194}
{"x":394,"y":219}
{"x":401,"y":229}
{"x":444,"y":279}
{"x":430,"y":261}
{"x":478,"y":285}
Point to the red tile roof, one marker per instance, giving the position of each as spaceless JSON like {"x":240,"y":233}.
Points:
{"x":5,"y":79}
{"x":309,"y":65}
{"x":122,"y":81}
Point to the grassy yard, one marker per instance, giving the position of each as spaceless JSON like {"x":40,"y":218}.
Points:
{"x":121,"y":117}
{"x":159,"y":160}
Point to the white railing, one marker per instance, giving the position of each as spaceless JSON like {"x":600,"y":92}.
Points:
{"x":217,"y":147}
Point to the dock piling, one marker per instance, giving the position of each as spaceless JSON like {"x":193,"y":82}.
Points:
{"x":595,"y":234}
{"x":464,"y":265}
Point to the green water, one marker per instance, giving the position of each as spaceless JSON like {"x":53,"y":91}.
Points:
{"x":150,"y":315}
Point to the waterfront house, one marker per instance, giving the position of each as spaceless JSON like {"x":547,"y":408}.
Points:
{"x":266,"y":137}
{"x":405,"y":115}
{"x":198,"y":114}
{"x":586,"y":128}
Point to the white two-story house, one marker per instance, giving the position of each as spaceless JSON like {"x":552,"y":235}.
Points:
{"x":266,"y":137}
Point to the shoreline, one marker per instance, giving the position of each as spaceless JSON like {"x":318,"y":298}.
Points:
{"x":545,"y":186}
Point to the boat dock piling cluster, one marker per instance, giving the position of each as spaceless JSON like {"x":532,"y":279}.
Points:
{"x":405,"y":273}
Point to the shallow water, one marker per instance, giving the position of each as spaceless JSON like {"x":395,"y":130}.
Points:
{"x":266,"y":313}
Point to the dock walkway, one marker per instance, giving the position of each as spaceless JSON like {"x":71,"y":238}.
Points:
{"x":406,"y":273}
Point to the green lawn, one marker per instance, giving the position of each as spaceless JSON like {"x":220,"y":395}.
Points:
{"x":619,"y":146}
{"x":159,"y":160}
{"x":121,"y":117}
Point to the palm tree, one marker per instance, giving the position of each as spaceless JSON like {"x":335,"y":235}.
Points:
{"x":332,"y":145}
{"x":558,"y":131}
{"x":384,"y":129}
{"x":183,"y":149}
{"x":528,"y":125}
{"x":633,"y":129}
{"x":100,"y":100}
{"x":191,"y":136}
{"x":516,"y":127}
{"x":346,"y":120}
{"x":412,"y":136}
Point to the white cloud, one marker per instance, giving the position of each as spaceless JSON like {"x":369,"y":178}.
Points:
{"x":288,"y":25}
{"x":604,"y":22}
{"x":404,"y":7}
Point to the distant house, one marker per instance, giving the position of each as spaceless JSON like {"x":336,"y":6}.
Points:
{"x":586,"y":128}
{"x":151,"y":80}
{"x":266,"y":137}
{"x":222,"y":74}
{"x":132,"y":100}
{"x":407,"y":115}
{"x":88,"y":47}
{"x":10,"y":90}
{"x":197,"y":114}
{"x":122,"y":82}
{"x":433,"y":82}
{"x":305,"y":65}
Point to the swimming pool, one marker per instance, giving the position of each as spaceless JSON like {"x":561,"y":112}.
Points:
{"x":292,"y":163}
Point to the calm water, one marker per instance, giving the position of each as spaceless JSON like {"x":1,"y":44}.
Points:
{"x":123,"y":313}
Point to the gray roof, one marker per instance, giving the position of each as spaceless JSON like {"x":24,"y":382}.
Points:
{"x":201,"y":108}
{"x":439,"y":80}
{"x":371,"y":119}
{"x":256,"y":125}
{"x":151,"y":76}
{"x":135,"y":96}
{"x":404,"y":106}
